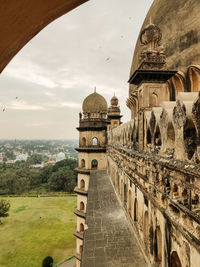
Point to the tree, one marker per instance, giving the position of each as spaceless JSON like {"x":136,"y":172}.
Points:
{"x":4,"y":208}
{"x":62,"y":180}
{"x":34,"y":159}
{"x":47,"y":262}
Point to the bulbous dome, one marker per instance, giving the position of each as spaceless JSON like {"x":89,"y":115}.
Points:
{"x":95,"y":103}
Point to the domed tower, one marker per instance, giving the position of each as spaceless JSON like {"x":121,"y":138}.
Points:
{"x":114,"y":117}
{"x":92,"y":156}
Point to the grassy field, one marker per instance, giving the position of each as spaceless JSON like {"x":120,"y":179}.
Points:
{"x":36,"y":228}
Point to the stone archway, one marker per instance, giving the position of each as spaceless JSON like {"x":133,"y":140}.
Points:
{"x":21,"y":20}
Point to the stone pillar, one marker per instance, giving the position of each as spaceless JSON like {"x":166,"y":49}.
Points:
{"x":179,"y":121}
{"x":196,"y":120}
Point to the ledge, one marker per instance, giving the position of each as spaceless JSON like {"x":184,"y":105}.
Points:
{"x":91,"y":128}
{"x":140,"y":76}
{"x":79,"y":213}
{"x":83,"y":171}
{"x":78,"y":234}
{"x":91,"y":149}
{"x":78,"y":256}
{"x":80,"y":191}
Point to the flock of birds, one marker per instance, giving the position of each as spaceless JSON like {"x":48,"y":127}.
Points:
{"x":107,"y":59}
{"x":4,"y":109}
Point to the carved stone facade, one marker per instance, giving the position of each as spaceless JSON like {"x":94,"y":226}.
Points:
{"x":153,"y":160}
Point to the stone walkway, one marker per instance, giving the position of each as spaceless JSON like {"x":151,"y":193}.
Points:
{"x":108,"y":242}
{"x":69,"y":263}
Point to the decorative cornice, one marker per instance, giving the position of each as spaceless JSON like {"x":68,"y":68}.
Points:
{"x":91,"y":149}
{"x":80,"y":191}
{"x":79,"y":213}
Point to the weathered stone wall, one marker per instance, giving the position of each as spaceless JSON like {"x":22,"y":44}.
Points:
{"x":180,"y":27}
{"x":179,"y":23}
{"x":160,"y":196}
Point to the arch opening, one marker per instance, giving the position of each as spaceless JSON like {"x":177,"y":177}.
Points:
{"x":95,"y":141}
{"x":157,"y":138}
{"x":175,"y":260}
{"x":190,"y":139}
{"x":94,"y":164}
{"x":148,"y":136}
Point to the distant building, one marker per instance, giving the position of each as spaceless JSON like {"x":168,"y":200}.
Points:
{"x":60,"y":156}
{"x":50,"y":162}
{"x":22,"y":157}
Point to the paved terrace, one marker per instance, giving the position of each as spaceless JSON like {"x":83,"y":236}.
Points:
{"x":108,"y":241}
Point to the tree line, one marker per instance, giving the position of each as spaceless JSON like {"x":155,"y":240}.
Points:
{"x":20,"y":177}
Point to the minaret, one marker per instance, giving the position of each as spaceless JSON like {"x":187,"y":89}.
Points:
{"x":114,"y":117}
{"x":92,"y":156}
{"x":149,"y":79}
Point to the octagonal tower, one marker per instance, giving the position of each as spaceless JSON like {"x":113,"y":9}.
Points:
{"x":92,"y":156}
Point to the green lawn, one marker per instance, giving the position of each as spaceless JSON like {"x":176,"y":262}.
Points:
{"x":36,"y":228}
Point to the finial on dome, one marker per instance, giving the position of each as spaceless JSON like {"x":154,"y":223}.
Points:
{"x":150,"y":22}
{"x":95,"y":89}
{"x":152,"y":56}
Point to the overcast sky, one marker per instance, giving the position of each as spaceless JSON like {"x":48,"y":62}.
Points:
{"x":43,"y":87}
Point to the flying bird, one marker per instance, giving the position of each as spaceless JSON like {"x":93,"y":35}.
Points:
{"x":16,"y":97}
{"x":107,"y":58}
{"x":4,"y":109}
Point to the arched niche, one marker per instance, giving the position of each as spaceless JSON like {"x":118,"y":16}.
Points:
{"x":146,"y":228}
{"x":136,"y":210}
{"x":175,"y":260}
{"x":82,"y":206}
{"x":81,"y":227}
{"x":130,"y":203}
{"x":83,"y":142}
{"x":158,"y":244}
{"x":94,"y":164}
{"x":82,"y":184}
{"x":153,"y":100}
{"x":194,"y":78}
{"x":82,"y":163}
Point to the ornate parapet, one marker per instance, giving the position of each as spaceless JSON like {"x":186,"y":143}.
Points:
{"x":124,"y":135}
{"x":179,"y":121}
{"x":196,"y":119}
{"x":166,"y":128}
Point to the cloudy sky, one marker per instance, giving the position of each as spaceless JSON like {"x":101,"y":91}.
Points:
{"x":43,"y":87}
